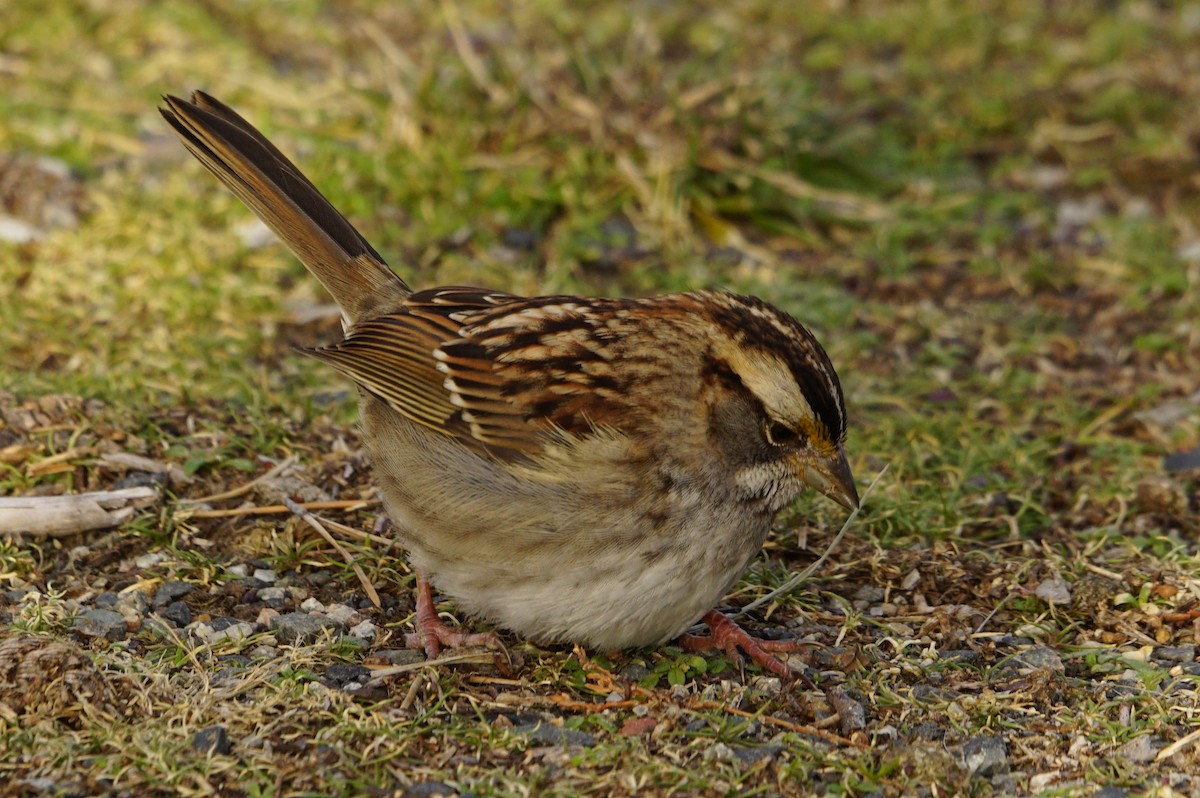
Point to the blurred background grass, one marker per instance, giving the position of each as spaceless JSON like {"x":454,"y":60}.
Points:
{"x":800,"y":152}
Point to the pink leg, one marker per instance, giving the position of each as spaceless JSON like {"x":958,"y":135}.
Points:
{"x":432,"y":634}
{"x":729,"y":637}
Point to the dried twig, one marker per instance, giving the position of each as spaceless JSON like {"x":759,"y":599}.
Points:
{"x":128,"y":461}
{"x":280,"y":509}
{"x":1177,"y":746}
{"x":59,"y":516}
{"x":246,"y":488}
{"x":315,"y":523}
{"x":380,"y":674}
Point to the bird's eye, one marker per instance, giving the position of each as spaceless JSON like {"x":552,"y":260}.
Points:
{"x":779,"y":434}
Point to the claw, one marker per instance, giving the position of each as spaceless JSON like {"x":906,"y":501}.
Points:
{"x":432,"y":634}
{"x":733,"y":640}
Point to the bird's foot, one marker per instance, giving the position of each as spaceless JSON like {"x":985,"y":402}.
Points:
{"x":725,"y":635}
{"x":432,"y":634}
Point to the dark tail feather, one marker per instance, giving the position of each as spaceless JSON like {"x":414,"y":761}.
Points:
{"x":271,"y":186}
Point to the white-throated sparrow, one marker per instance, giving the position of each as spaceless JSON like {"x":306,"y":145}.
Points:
{"x":579,"y":469}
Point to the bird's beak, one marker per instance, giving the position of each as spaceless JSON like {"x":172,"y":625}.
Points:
{"x":831,"y":476}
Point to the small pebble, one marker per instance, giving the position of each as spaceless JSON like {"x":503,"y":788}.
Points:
{"x":929,"y":731}
{"x":400,"y":656}
{"x":133,"y":602}
{"x":1139,"y":750}
{"x":750,"y":754}
{"x":209,"y":633}
{"x":343,"y":673}
{"x":1055,"y":590}
{"x":544,"y":733}
{"x":985,"y":756}
{"x":275,"y":597}
{"x":1004,"y":784}
{"x":1039,"y":658}
{"x":365,"y":631}
{"x":149,"y":559}
{"x":1186,"y":653}
{"x":430,"y":789}
{"x":320,"y":578}
{"x":101,"y":623}
{"x":105,"y":600}
{"x":341,"y":614}
{"x":300,"y":628}
{"x":265,"y":575}
{"x":171,"y":591}
{"x":635,"y":671}
{"x":213,"y":739}
{"x":177,"y":613}
{"x":311,"y":605}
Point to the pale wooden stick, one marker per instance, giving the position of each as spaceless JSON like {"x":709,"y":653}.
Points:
{"x":59,"y":516}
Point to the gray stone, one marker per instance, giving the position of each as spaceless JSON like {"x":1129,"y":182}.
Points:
{"x":1109,"y":792}
{"x":1039,"y":658}
{"x":985,"y":756}
{"x":105,"y":600}
{"x":1055,"y":590}
{"x":149,"y":559}
{"x":213,"y":739}
{"x":213,"y":634}
{"x":1175,"y":653}
{"x":135,"y":602}
{"x":400,"y":656}
{"x":274,"y":597}
{"x":1139,"y":750}
{"x":544,"y":733}
{"x":101,"y":623}
{"x":341,"y":673}
{"x":171,"y":591}
{"x":342,"y":615}
{"x":177,"y":613}
{"x":265,"y":575}
{"x":300,"y":628}
{"x":867,"y":595}
{"x":930,"y":731}
{"x":364,"y":631}
{"x":1005,"y":784}
{"x":749,"y":754}
{"x":927,"y":692}
{"x":635,"y":671}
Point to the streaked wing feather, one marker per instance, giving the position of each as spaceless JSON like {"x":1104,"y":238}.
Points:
{"x":400,"y":358}
{"x":394,"y":361}
{"x":496,"y":371}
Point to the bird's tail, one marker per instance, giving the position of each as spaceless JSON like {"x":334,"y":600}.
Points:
{"x":271,"y":186}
